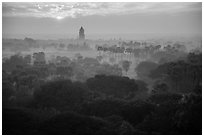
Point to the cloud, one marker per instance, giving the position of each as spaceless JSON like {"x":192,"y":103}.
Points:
{"x":74,"y":10}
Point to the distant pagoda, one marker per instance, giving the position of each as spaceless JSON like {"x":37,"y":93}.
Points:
{"x":81,"y":33}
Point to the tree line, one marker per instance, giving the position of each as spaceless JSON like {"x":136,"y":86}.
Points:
{"x":166,"y":99}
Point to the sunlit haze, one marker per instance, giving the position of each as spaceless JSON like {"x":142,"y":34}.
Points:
{"x":62,"y":20}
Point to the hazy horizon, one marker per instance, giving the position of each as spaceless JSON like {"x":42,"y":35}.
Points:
{"x":100,"y":20}
{"x":105,"y":36}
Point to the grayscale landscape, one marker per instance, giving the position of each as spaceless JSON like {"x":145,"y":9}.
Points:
{"x":103,"y":68}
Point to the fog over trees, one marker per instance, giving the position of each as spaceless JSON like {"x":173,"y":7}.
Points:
{"x":110,"y":85}
{"x":131,"y":89}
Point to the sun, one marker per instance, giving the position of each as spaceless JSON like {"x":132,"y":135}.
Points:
{"x":59,"y":17}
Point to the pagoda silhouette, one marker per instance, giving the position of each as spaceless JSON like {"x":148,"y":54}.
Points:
{"x":81,"y":33}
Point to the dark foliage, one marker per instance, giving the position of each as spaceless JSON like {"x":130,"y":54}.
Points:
{"x":60,"y":94}
{"x":133,"y":112}
{"x":174,"y":116}
{"x":36,"y":103}
{"x":18,"y":122}
{"x":74,"y":124}
{"x":121,"y":87}
{"x":144,"y":68}
{"x":165,"y":98}
{"x":181,"y":76}
{"x":7,"y":91}
{"x":67,"y":123}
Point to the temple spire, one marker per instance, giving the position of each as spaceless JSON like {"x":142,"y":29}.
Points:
{"x":81,"y":33}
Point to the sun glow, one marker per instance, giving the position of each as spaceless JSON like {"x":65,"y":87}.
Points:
{"x":59,"y":17}
{"x":73,"y":10}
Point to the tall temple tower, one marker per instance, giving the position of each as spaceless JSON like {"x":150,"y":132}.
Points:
{"x":81,"y":33}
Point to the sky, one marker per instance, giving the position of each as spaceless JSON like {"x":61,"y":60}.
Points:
{"x":49,"y":20}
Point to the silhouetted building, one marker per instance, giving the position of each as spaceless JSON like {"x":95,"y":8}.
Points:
{"x":81,"y":34}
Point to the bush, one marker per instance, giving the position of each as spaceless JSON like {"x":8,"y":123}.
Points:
{"x":119,"y":87}
{"x":70,"y":123}
{"x":133,"y":112}
{"x":18,"y":122}
{"x":60,"y":94}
